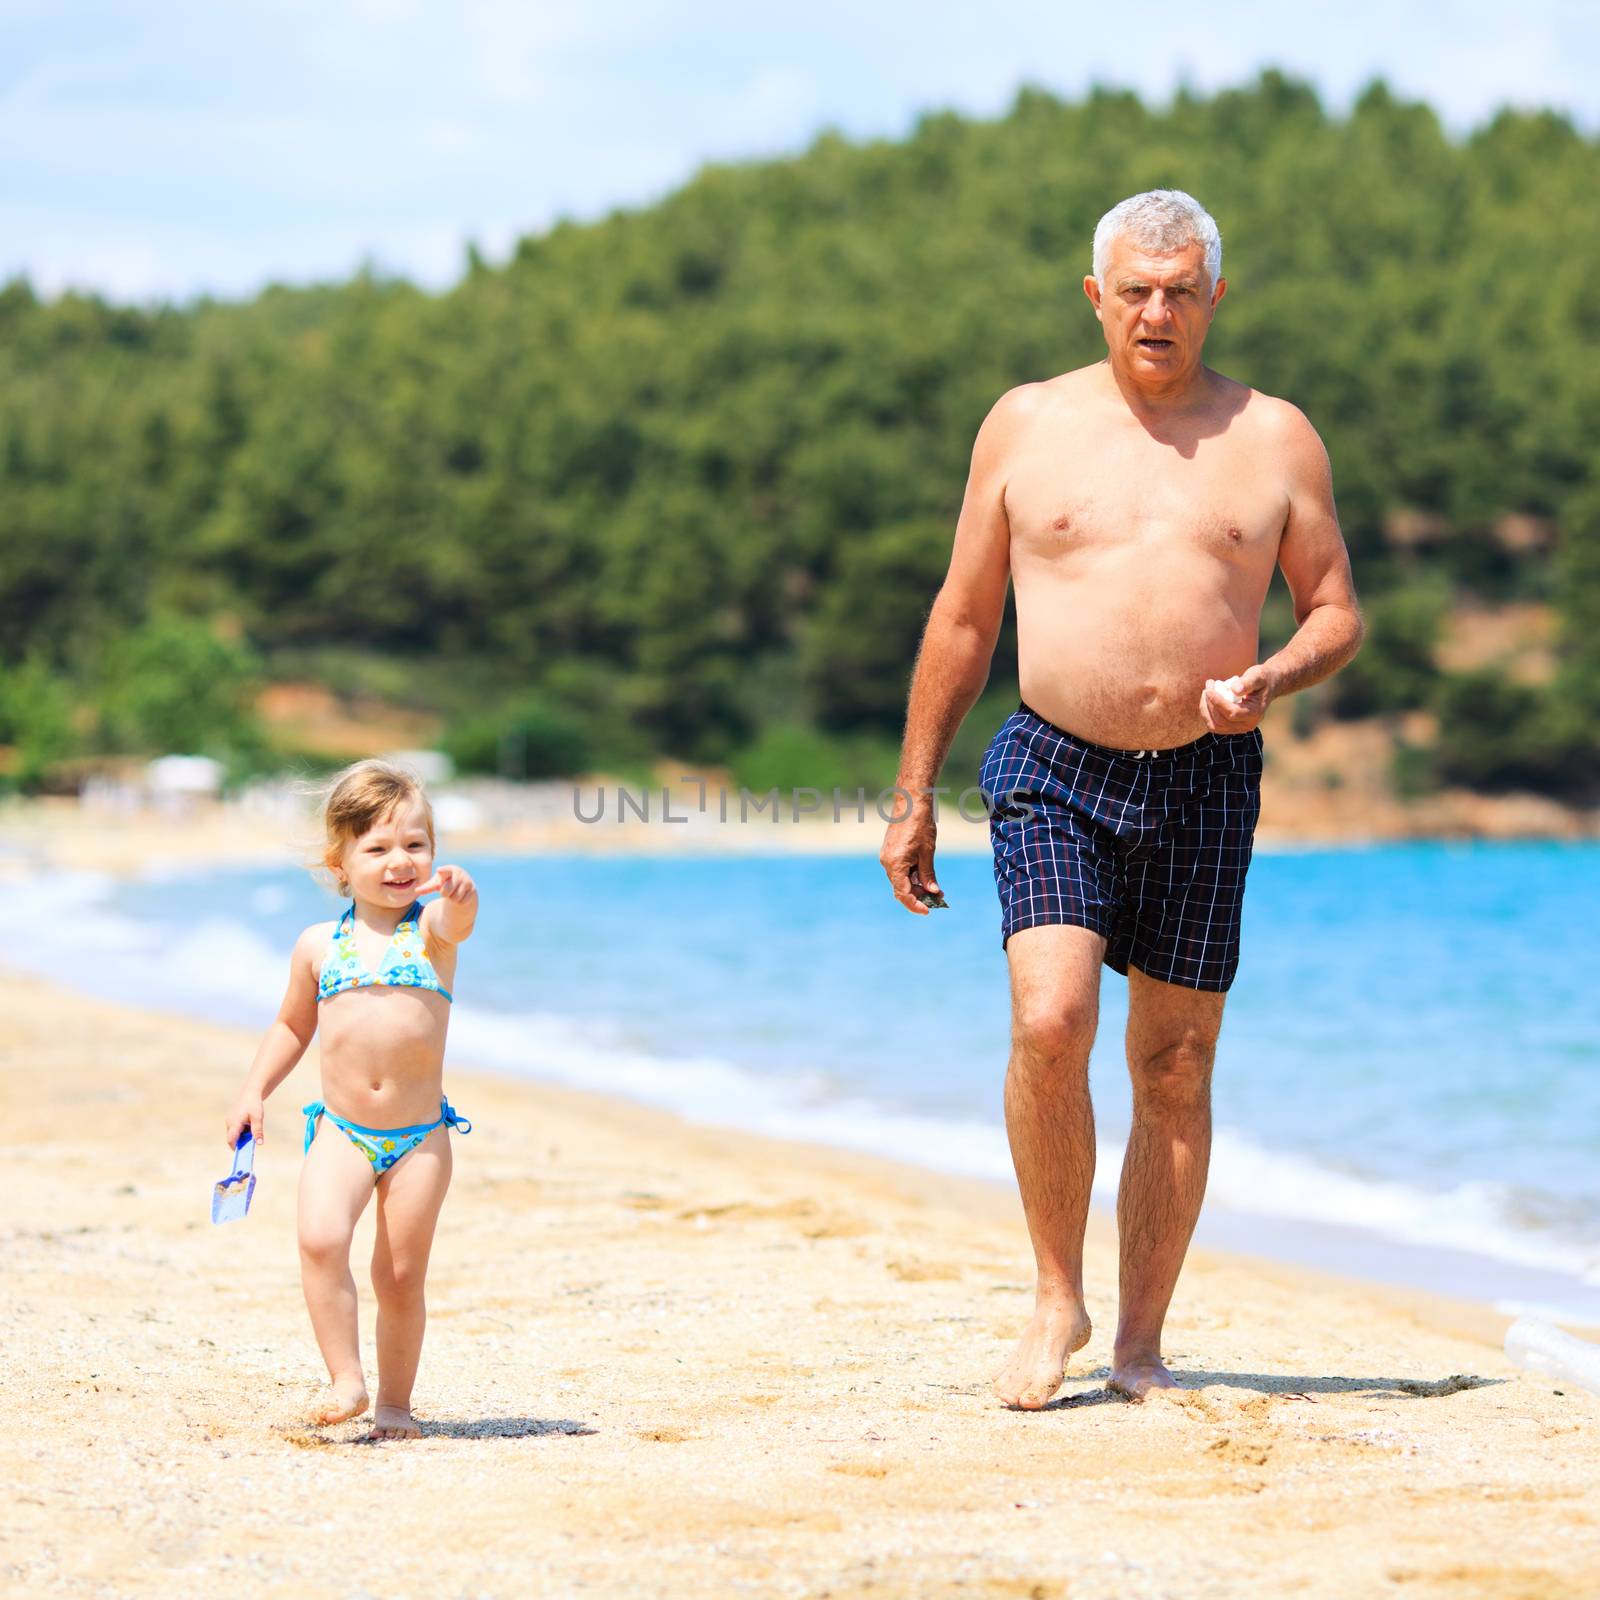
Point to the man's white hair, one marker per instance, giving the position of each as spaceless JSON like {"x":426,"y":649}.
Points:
{"x":1160,"y":221}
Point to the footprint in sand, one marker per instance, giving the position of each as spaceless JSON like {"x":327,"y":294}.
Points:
{"x":924,"y":1271}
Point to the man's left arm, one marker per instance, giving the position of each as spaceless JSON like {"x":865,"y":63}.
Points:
{"x":1316,"y":567}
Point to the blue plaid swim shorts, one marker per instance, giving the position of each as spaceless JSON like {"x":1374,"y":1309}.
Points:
{"x":1148,"y":848}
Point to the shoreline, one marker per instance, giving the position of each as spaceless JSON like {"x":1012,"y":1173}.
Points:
{"x":1505,"y":1277}
{"x":668,"y":1360}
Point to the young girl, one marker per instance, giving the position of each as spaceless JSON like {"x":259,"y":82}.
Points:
{"x":378,"y":984}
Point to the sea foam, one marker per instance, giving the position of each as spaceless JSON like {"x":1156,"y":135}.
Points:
{"x":222,"y":967}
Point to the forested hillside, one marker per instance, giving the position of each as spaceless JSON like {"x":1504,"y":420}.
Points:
{"x":683,"y":481}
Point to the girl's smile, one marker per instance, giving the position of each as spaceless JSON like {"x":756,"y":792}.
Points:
{"x":386,"y":863}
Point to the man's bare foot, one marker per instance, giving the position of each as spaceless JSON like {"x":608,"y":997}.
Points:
{"x":393,"y":1422}
{"x":345,"y":1397}
{"x":1133,"y":1377}
{"x":1038,"y":1366}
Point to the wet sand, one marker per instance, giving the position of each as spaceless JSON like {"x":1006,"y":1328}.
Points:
{"x":664,"y":1360}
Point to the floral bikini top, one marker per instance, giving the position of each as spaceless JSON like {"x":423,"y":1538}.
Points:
{"x":405,"y":964}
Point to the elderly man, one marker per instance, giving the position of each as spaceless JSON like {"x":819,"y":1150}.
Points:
{"x":1139,"y":506}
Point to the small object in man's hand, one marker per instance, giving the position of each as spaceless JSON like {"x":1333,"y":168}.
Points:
{"x":933,"y":899}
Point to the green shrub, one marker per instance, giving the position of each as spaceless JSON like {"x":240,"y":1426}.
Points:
{"x":529,"y":737}
{"x":174,"y":686}
{"x":1411,"y":770}
{"x":859,"y":648}
{"x":1395,"y":670}
{"x":1497,"y":735}
{"x":36,"y":719}
{"x":793,"y":755}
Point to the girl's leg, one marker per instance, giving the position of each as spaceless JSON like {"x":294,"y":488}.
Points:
{"x":335,"y":1185}
{"x":409,"y":1197}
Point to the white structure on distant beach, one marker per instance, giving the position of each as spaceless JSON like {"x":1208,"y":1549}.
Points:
{"x":431,"y":766}
{"x":196,"y":777}
{"x":176,"y":784}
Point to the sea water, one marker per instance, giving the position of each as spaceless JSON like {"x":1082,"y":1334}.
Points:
{"x":1407,"y":1084}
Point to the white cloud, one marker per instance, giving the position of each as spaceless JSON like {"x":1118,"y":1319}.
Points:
{"x":775,"y":106}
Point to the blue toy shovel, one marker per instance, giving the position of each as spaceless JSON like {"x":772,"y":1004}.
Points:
{"x":230,"y":1199}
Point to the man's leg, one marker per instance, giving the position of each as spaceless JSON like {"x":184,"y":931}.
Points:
{"x":1172,"y":1040}
{"x":1055,"y":1002}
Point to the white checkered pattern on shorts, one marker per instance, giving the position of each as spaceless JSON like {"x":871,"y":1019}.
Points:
{"x":1149,"y":849}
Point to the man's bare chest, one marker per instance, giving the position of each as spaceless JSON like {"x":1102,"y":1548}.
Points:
{"x":1067,"y":494}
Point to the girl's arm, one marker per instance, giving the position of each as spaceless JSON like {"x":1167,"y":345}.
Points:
{"x":451,"y":916}
{"x":285,"y":1042}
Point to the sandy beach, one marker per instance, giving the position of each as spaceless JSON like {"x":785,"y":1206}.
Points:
{"x":665,"y":1360}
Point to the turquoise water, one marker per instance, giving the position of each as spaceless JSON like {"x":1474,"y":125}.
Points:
{"x":1411,"y":1051}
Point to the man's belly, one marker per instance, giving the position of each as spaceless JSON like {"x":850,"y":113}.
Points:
{"x":1127,"y":668}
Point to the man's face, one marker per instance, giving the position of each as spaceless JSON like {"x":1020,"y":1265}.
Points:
{"x":1155,"y":309}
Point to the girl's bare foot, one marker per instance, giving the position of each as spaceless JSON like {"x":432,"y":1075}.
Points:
{"x":393,"y":1422}
{"x":345,"y":1397}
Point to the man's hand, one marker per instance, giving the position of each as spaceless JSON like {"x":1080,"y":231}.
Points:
{"x":907,"y":856}
{"x":1236,"y":705}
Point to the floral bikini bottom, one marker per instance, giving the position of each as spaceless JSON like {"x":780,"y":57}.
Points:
{"x":383,"y":1147}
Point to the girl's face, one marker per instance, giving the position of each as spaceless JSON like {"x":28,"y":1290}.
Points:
{"x":387,"y":863}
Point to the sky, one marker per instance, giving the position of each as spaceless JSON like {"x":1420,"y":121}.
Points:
{"x":172,"y":148}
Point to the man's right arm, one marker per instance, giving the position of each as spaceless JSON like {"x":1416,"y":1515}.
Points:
{"x":957,"y":645}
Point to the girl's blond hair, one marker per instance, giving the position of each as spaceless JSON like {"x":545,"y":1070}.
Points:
{"x":364,"y":793}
